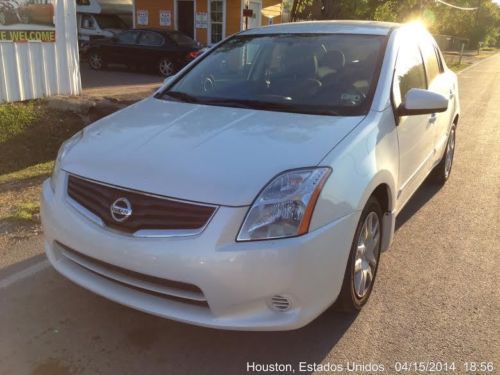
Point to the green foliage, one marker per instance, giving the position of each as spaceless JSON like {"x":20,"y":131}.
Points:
{"x":14,"y":118}
{"x":26,"y":211}
{"x":482,"y":25}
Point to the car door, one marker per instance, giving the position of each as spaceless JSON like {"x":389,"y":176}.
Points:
{"x":416,"y":132}
{"x":150,"y":43}
{"x":439,"y":82}
{"x":123,"y":50}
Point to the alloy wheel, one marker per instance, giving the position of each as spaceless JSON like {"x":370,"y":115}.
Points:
{"x":95,"y":61}
{"x":166,"y":67}
{"x":366,"y":258}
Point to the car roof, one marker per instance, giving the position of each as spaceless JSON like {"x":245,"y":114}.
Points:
{"x":158,"y":30}
{"x":327,"y":27}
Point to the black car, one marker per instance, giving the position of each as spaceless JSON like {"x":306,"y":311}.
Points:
{"x":167,"y":51}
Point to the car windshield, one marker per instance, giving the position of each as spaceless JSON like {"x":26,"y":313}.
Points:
{"x":110,"y":22}
{"x":333,"y":74}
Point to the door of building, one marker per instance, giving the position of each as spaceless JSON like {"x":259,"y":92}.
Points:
{"x":254,"y":21}
{"x":185,"y":17}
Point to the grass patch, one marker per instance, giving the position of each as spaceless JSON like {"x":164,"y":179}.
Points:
{"x":33,"y":134}
{"x":38,"y":170}
{"x":15,"y":118}
{"x":27,"y":211}
{"x":458,"y":67}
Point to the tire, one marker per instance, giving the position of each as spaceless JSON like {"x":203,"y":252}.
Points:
{"x":364,"y":255}
{"x":96,"y":61}
{"x":166,"y":67}
{"x":442,"y":171}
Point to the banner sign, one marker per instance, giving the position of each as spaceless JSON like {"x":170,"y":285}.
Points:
{"x":165,"y":18}
{"x":27,"y":21}
{"x":142,"y":17}
{"x":201,"y":20}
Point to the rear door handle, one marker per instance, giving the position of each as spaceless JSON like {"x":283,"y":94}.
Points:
{"x":452,"y":94}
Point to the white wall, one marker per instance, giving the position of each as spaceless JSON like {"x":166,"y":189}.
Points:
{"x":35,"y":69}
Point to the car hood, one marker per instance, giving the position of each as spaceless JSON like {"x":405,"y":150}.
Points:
{"x":202,"y":153}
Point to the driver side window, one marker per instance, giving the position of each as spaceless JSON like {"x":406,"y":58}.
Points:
{"x":410,"y":72}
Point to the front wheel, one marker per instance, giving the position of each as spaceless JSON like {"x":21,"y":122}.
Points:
{"x":363,"y":259}
{"x":442,"y":171}
{"x":96,"y":61}
{"x":166,"y":67}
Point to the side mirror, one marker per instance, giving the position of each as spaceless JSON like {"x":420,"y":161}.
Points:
{"x":421,"y":102}
{"x":168,"y":80}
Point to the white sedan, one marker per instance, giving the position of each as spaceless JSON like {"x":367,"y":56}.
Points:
{"x":260,"y":184}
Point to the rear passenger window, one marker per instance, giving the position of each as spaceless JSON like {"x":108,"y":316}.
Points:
{"x":150,"y":39}
{"x":431,"y":62}
{"x":410,"y":73}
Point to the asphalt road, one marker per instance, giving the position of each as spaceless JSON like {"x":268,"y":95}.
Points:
{"x":436,"y":297}
{"x":117,"y":80}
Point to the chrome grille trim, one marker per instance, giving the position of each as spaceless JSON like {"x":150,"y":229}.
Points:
{"x":141,"y":233}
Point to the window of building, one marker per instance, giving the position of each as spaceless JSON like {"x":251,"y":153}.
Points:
{"x":216,"y":21}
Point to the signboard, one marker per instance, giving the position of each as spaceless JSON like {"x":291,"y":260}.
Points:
{"x":165,"y":18}
{"x":247,"y":12}
{"x":142,"y":17}
{"x":27,"y":20}
{"x":201,"y":20}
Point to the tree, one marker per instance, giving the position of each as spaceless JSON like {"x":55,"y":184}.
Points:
{"x":481,"y":25}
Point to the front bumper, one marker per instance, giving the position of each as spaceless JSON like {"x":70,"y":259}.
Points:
{"x":237,"y":279}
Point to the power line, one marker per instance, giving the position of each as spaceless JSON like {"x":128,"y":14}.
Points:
{"x":454,"y":6}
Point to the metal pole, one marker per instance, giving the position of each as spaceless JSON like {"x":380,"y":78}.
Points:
{"x":461,"y":53}
{"x":246,"y":17}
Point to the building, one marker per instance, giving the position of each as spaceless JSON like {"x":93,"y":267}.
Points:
{"x":38,"y":50}
{"x":207,"y":21}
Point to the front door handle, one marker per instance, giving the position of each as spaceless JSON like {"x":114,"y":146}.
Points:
{"x":432,"y":119}
{"x":452,"y":94}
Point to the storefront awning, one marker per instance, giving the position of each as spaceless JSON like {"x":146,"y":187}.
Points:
{"x":271,"y":11}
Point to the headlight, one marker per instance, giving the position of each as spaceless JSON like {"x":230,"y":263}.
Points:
{"x":284,"y":208}
{"x":63,"y":150}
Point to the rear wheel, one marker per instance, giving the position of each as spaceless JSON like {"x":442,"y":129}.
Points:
{"x":166,"y":67}
{"x":363,"y":259}
{"x":96,"y":60}
{"x":442,"y":171}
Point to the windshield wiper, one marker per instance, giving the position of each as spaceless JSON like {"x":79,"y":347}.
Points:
{"x":181,"y":96}
{"x":245,"y":103}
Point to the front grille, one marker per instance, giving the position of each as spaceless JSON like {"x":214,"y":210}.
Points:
{"x":148,"y":212}
{"x":152,"y":285}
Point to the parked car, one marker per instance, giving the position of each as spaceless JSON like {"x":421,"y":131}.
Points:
{"x":167,"y":51}
{"x":261,"y":183}
{"x":97,"y":26}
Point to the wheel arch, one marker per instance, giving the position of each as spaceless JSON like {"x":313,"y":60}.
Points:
{"x":383,"y":188}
